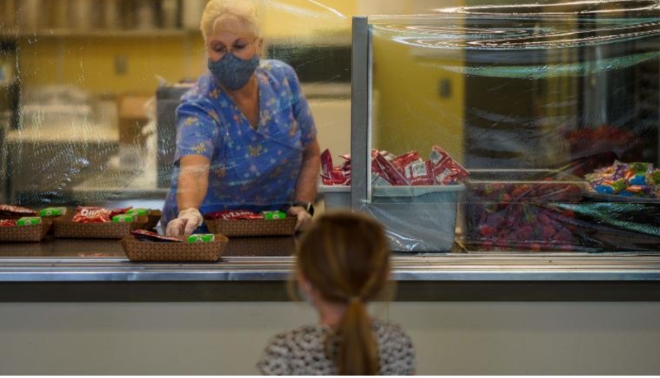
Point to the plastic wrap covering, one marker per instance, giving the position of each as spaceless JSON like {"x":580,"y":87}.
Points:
{"x":552,"y":108}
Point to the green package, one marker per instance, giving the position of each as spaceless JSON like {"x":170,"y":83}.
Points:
{"x":52,"y":212}
{"x":201,"y":238}
{"x":139,"y":212}
{"x":28,"y":221}
{"x":619,"y":185}
{"x":273,"y":215}
{"x":123,"y":218}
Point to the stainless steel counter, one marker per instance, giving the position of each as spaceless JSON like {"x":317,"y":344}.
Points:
{"x":258,"y":267}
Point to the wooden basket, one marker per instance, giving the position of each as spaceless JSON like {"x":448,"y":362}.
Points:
{"x":106,"y":230}
{"x":267,"y":246}
{"x":253,"y":227}
{"x":32,"y":234}
{"x":143,"y":251}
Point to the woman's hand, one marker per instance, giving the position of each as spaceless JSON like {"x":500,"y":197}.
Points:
{"x":187,"y":221}
{"x":304,"y":218}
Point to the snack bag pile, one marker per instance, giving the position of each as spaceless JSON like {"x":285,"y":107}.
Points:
{"x":628,"y":180}
{"x":388,"y":169}
{"x":9,"y":210}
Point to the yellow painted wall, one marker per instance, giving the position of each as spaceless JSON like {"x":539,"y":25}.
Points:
{"x":411,"y":115}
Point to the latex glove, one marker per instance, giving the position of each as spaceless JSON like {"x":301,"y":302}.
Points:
{"x":304,"y":218}
{"x":187,"y":221}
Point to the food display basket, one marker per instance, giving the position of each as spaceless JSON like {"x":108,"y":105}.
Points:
{"x":148,"y":251}
{"x":253,"y":227}
{"x":33,"y":233}
{"x":65,"y":228}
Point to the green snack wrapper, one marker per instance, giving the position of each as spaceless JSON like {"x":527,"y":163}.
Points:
{"x":52,"y":212}
{"x":200,"y":238}
{"x":138,"y":212}
{"x":123,"y":218}
{"x":273,"y":215}
{"x":619,"y":185}
{"x":28,"y":221}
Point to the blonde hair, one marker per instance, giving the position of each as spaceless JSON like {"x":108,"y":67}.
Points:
{"x":230,"y":15}
{"x":346,"y":258}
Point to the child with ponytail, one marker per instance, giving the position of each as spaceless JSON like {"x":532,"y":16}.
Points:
{"x":342,"y":263}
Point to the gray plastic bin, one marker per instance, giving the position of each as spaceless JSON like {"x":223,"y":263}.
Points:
{"x":417,"y":218}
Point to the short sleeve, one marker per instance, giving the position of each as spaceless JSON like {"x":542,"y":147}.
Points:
{"x":275,"y":358}
{"x":301,"y":111}
{"x":197,"y":130}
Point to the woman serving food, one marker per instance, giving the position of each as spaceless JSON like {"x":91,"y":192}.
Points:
{"x":246,"y":138}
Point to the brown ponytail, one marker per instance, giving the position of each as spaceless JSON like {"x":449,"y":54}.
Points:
{"x":358,"y":351}
{"x":346,"y":258}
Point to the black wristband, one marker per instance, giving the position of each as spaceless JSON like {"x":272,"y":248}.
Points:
{"x":308,"y":206}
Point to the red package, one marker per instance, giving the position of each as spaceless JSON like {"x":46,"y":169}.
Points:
{"x":420,"y":172}
{"x":7,"y":223}
{"x":16,"y":210}
{"x":459,"y":171}
{"x":326,"y":162}
{"x":438,"y":155}
{"x":402,"y":161}
{"x":444,"y":173}
{"x":234,"y":214}
{"x":145,"y":235}
{"x":92,"y":215}
{"x":389,"y":172}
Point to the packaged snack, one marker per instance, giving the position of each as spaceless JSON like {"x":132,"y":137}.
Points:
{"x":7,"y":222}
{"x":145,"y":235}
{"x":92,"y":215}
{"x":273,"y":215}
{"x":138,"y":212}
{"x":123,"y":218}
{"x":16,"y":210}
{"x":28,"y":221}
{"x":234,"y":214}
{"x":200,"y":238}
{"x":52,"y":212}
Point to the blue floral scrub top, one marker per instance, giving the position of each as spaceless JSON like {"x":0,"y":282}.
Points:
{"x":252,"y":169}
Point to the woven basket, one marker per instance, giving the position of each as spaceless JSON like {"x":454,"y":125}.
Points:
{"x":106,"y":230}
{"x":25,"y":233}
{"x":268,"y":246}
{"x":142,"y":251}
{"x":253,"y":227}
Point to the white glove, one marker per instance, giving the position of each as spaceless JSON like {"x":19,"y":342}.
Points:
{"x":304,"y":218}
{"x":187,"y":221}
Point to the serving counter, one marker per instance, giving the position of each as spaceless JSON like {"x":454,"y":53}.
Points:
{"x":256,"y":269}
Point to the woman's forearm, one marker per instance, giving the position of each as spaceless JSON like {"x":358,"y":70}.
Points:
{"x":193,"y":182}
{"x":309,"y":172}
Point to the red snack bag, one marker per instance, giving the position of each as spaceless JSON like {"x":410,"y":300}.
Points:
{"x":16,"y":210}
{"x":402,"y":161}
{"x":444,"y":173}
{"x":420,"y":173}
{"x":389,"y":172}
{"x":234,"y":214}
{"x":7,"y":223}
{"x":326,"y":162}
{"x":459,"y":171}
{"x":438,"y":155}
{"x":145,"y":235}
{"x":92,"y":215}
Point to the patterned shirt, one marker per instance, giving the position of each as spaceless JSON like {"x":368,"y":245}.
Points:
{"x":251,"y":168}
{"x":303,"y":351}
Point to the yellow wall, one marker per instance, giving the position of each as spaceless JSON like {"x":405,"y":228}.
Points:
{"x":89,"y":62}
{"x":411,"y":115}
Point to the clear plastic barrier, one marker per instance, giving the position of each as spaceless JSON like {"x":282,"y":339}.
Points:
{"x":551,"y":108}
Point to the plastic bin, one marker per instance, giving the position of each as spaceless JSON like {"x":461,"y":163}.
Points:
{"x":417,"y":218}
